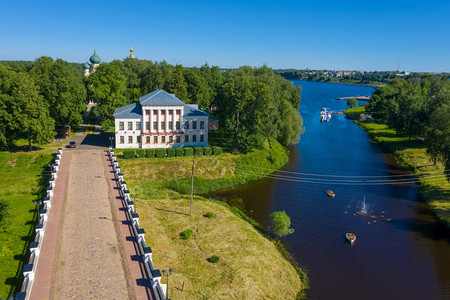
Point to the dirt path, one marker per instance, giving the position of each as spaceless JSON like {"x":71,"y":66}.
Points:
{"x":88,"y":259}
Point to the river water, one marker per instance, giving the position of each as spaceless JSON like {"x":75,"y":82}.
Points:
{"x":401,"y":252}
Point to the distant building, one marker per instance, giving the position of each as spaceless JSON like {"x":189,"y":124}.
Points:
{"x":131,"y":52}
{"x":89,"y":68}
{"x":160,"y":120}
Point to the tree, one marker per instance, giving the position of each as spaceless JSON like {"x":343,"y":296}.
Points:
{"x":281,"y":224}
{"x":437,"y":136}
{"x":4,"y":213}
{"x":352,"y":102}
{"x":179,"y":86}
{"x":107,"y":88}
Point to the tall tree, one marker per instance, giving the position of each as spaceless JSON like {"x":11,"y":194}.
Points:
{"x":178,"y":85}
{"x":107,"y":88}
{"x":281,"y":223}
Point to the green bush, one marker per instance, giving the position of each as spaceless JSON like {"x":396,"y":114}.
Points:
{"x":160,"y":152}
{"x":128,"y":153}
{"x":170,"y":152}
{"x":188,"y":151}
{"x":213,"y":259}
{"x":179,"y":152}
{"x":187,"y":234}
{"x":217,"y":150}
{"x":198,"y":151}
{"x":140,"y":153}
{"x":207,"y":150}
{"x":150,"y":153}
{"x":209,"y":215}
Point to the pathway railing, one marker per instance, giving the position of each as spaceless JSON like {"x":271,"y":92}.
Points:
{"x":145,"y":251}
{"x":29,"y":270}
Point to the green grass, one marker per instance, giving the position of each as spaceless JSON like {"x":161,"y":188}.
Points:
{"x":24,"y":175}
{"x":434,"y":185}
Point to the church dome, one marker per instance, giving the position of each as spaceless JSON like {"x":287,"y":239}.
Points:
{"x":95,"y":59}
{"x":86,"y":66}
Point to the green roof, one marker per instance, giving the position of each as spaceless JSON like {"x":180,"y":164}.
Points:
{"x":95,"y":59}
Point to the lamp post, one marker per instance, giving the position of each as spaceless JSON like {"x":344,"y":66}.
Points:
{"x":165,"y":273}
{"x":111,"y":140}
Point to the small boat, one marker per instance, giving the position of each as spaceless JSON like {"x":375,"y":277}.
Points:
{"x":331,"y":194}
{"x":351,"y":237}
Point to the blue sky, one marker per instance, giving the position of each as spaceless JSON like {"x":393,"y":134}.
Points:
{"x":338,"y":35}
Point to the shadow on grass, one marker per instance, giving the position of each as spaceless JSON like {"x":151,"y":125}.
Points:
{"x":172,"y":211}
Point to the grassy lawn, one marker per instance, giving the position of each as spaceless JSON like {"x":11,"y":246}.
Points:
{"x":250,"y":266}
{"x":434,"y":186}
{"x":24,"y":174}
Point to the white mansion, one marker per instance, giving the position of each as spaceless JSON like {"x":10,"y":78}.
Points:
{"x":160,"y":120}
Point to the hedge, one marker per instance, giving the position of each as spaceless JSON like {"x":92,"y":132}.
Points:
{"x":198,"y":151}
{"x":188,"y":151}
{"x":128,"y":153}
{"x":160,"y":152}
{"x":207,"y":151}
{"x":150,"y":153}
{"x":217,"y":150}
{"x":170,"y":152}
{"x":140,"y":153}
{"x":179,"y":152}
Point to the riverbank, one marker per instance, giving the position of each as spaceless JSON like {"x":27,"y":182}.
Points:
{"x":434,"y":186}
{"x":250,"y":264}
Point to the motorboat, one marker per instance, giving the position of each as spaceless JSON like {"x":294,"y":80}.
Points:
{"x":331,"y":194}
{"x":351,"y":237}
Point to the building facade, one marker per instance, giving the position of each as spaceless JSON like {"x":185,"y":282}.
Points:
{"x":160,"y":120}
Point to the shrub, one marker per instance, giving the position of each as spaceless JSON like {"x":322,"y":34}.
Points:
{"x":170,"y":152}
{"x":207,"y":150}
{"x":179,"y":152}
{"x":213,"y":259}
{"x":140,"y":153}
{"x":128,"y":153}
{"x":217,"y":150}
{"x":209,"y":215}
{"x":150,"y":153}
{"x":198,"y":151}
{"x":160,"y":153}
{"x":187,"y":234}
{"x":5,"y":213}
{"x":188,"y":151}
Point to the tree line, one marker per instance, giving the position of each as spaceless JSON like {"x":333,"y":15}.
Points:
{"x":252,"y":104}
{"x":417,"y":108}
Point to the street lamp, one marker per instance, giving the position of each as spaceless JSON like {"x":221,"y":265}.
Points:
{"x":165,"y":273}
{"x":111,"y":140}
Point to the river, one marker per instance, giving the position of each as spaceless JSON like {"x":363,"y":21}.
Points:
{"x":401,"y":252}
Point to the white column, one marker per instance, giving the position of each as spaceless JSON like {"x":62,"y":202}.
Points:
{"x":151,"y":120}
{"x":159,"y":120}
{"x":174,"y":121}
{"x":166,"y":123}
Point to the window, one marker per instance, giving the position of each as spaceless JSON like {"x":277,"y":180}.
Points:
{"x":163,"y":126}
{"x":202,"y":138}
{"x":186,"y":125}
{"x":194,"y":124}
{"x":177,"y":125}
{"x":139,"y":139}
{"x":155,"y":113}
{"x":130,"y":125}
{"x":178,"y":111}
{"x":170,"y":125}
{"x":170,"y":112}
{"x":147,"y":139}
{"x":138,"y":125}
{"x":163,"y":111}
{"x":170,"y":139}
{"x":186,"y":139}
{"x":194,"y":138}
{"x":147,"y":113}
{"x":155,"y":139}
{"x":202,"y":124}
{"x":178,"y":139}
{"x":147,"y":125}
{"x":163,"y":139}
{"x":155,"y":125}
{"x":130,"y":140}
{"x":122,"y":139}
{"x":121,"y":126}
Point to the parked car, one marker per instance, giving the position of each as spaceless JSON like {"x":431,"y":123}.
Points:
{"x":72,"y":145}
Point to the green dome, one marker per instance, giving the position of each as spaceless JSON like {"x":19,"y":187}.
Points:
{"x":95,"y":59}
{"x":86,"y":66}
